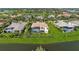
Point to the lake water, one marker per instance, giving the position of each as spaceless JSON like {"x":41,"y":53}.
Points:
{"x":66,"y":46}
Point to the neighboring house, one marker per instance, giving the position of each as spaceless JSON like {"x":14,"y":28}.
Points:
{"x":76,"y":22}
{"x":51,"y":16}
{"x":39,"y":27}
{"x":65,"y":14}
{"x":27,"y":16}
{"x":39,"y":17}
{"x":65,"y":26}
{"x":15,"y":27}
{"x":2,"y":22}
{"x":13,"y":16}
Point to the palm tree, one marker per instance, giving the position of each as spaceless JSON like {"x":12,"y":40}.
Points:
{"x":40,"y":48}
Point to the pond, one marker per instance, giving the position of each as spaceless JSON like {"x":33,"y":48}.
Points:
{"x":65,"y":46}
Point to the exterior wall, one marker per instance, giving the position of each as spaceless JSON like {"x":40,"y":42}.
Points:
{"x":12,"y":31}
{"x":40,"y":30}
{"x":68,"y":30}
{"x":8,"y":31}
{"x":35,"y":30}
{"x":46,"y":30}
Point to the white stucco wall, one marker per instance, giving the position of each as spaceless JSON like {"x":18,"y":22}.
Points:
{"x":46,"y":30}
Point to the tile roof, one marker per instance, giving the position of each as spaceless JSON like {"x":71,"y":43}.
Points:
{"x":17,"y":26}
{"x":39,"y":24}
{"x":62,"y":24}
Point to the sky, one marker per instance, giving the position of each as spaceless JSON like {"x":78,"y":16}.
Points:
{"x":39,"y":3}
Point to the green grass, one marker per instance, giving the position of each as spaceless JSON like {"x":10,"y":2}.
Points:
{"x":55,"y":35}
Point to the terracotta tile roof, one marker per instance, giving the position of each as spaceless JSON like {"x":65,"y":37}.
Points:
{"x":2,"y":22}
{"x":65,"y":14}
{"x":39,"y":24}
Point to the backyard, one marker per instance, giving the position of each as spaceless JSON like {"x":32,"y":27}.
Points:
{"x":53,"y":36}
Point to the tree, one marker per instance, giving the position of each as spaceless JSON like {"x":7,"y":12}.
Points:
{"x":40,"y":48}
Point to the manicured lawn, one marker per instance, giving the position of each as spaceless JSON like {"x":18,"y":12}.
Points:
{"x":55,"y":35}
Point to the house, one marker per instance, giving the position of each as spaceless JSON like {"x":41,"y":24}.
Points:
{"x":13,"y":16}
{"x":39,"y":17}
{"x":75,"y":22}
{"x":39,"y":27}
{"x":51,"y":16}
{"x":27,"y":16}
{"x":2,"y":22}
{"x":65,"y":26}
{"x":15,"y":27}
{"x":65,"y":14}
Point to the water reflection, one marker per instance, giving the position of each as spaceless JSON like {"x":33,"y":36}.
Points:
{"x":65,"y":46}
